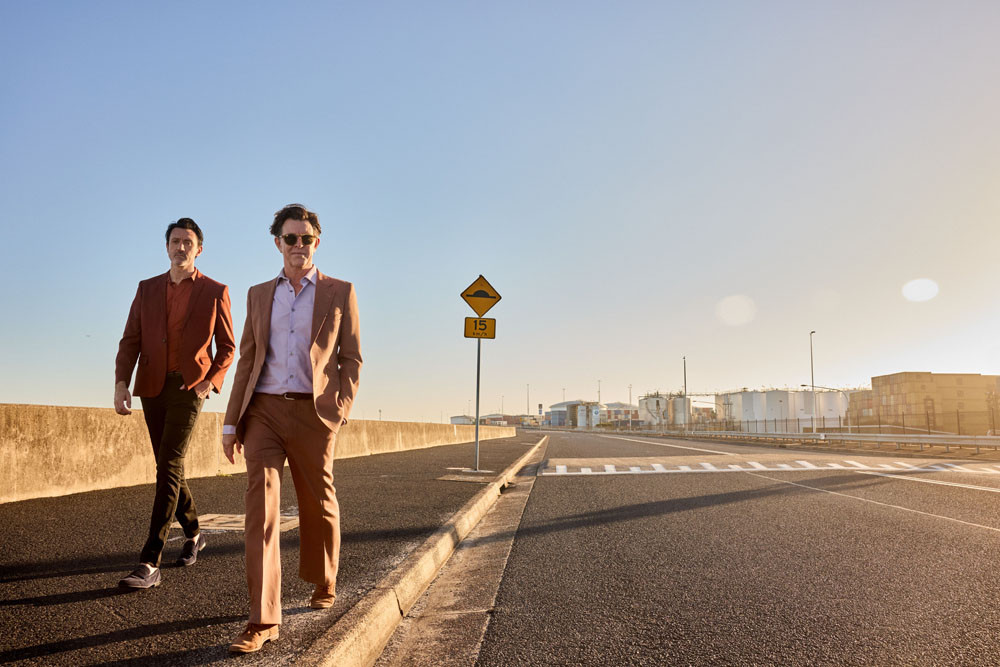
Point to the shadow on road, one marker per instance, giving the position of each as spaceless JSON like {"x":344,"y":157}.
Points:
{"x":674,"y":505}
{"x":128,"y":634}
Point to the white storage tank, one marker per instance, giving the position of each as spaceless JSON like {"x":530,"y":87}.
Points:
{"x":680,"y":410}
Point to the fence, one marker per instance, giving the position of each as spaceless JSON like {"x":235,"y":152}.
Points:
{"x":929,"y":423}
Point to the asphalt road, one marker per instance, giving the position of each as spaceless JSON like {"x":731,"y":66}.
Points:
{"x":856,"y":561}
{"x":61,"y":559}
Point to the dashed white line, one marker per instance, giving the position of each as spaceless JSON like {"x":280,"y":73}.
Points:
{"x":898,"y":467}
{"x":663,"y":444}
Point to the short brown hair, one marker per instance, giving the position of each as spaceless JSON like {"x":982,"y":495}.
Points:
{"x":294,"y":212}
{"x":186,"y":223}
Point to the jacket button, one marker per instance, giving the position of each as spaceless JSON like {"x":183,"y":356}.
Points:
{"x":164,"y":340}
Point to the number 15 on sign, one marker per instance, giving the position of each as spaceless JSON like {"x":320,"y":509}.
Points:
{"x":480,"y":327}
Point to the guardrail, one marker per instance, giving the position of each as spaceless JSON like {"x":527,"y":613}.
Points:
{"x":947,"y":441}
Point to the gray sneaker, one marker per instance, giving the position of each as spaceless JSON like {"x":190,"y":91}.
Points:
{"x":142,"y":577}
{"x":189,"y":554}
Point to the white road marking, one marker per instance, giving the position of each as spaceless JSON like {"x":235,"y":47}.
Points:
{"x":233,"y":523}
{"x":876,"y":502}
{"x":908,"y":478}
{"x":902,"y":470}
{"x":663,"y":444}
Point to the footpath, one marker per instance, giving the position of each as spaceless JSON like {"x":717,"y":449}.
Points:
{"x":61,"y":559}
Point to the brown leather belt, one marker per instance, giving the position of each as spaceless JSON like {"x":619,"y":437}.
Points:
{"x":292,"y":396}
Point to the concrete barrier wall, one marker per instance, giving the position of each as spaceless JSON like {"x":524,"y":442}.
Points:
{"x":53,"y":451}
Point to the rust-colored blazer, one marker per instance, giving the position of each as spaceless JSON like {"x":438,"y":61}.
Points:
{"x":145,"y":336}
{"x":335,"y":351}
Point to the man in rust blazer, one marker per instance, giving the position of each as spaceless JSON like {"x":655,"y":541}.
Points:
{"x":170,"y":329}
{"x":300,"y":357}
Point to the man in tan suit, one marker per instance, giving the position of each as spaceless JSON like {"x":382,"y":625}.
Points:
{"x":300,"y":356}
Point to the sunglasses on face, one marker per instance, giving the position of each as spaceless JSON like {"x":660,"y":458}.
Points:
{"x":291,"y":239}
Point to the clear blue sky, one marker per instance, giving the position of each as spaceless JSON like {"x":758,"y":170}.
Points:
{"x":618,"y":171}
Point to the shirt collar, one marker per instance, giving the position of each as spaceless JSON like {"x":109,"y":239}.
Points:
{"x":311,"y":276}
{"x":193,"y":277}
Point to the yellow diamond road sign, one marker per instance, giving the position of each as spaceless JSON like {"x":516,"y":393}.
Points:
{"x":481,"y":296}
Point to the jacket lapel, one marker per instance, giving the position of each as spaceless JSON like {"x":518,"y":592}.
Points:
{"x":262,"y":317}
{"x":196,"y":290}
{"x":158,"y":302}
{"x":322,"y":303}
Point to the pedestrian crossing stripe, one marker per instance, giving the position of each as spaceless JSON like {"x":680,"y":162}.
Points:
{"x":755,"y":466}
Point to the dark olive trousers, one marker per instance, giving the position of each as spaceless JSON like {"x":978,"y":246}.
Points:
{"x":170,"y":418}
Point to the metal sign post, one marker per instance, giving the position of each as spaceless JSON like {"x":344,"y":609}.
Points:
{"x":479,"y":347}
{"x":480,"y":296}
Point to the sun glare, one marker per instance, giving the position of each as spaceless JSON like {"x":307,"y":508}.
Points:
{"x":921,"y":289}
{"x":736,"y":310}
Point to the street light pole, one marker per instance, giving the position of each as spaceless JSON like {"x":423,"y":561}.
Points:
{"x":812,"y":378}
{"x":685,"y":359}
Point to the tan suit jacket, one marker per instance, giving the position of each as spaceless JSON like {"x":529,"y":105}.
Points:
{"x":335,"y":351}
{"x":145,"y":336}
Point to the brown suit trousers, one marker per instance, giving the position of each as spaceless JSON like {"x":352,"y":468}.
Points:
{"x":278,"y":429}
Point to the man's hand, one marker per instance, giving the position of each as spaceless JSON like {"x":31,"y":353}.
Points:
{"x":230,"y":444}
{"x":203,"y":389}
{"x":123,"y":399}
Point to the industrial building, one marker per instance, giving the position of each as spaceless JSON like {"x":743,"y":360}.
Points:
{"x":963,"y":403}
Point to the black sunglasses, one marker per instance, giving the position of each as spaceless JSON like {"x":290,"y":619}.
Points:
{"x":291,"y":239}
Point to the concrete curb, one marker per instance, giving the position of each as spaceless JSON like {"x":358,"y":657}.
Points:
{"x":357,"y":639}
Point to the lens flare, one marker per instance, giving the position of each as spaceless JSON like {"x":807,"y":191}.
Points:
{"x":736,"y":310}
{"x":921,"y":289}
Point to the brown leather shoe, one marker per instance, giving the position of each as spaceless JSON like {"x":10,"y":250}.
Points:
{"x":253,"y":638}
{"x":323,"y":597}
